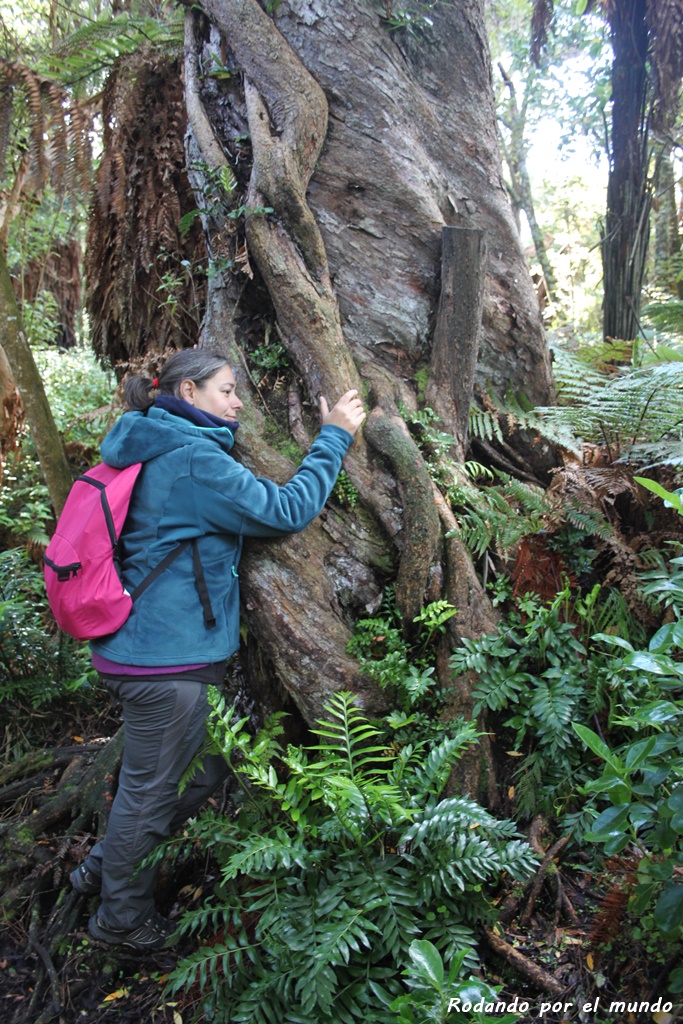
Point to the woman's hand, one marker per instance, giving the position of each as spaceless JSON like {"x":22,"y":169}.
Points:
{"x":348,"y":413}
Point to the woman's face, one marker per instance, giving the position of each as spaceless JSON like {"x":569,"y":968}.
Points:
{"x":216,"y":395}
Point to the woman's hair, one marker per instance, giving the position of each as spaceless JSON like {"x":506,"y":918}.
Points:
{"x":195,"y":364}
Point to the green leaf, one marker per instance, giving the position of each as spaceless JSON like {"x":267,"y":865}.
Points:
{"x":676,"y":981}
{"x":639,"y":752}
{"x":657,"y":664}
{"x":655,"y":713}
{"x":618,"y":789}
{"x":597,"y":745}
{"x":614,"y":641}
{"x":427,"y":959}
{"x":609,"y":824}
{"x":669,"y":908}
{"x":666,"y":636}
{"x":672,"y":500}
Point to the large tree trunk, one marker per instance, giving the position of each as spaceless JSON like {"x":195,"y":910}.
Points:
{"x":330,"y":160}
{"x":366,"y":147}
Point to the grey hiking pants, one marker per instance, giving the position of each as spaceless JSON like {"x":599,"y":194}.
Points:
{"x":165,"y":725}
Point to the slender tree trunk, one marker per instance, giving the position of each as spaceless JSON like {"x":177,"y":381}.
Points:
{"x":626,"y":231}
{"x":10,"y":409}
{"x":667,"y":233}
{"x":514,"y":151}
{"x":45,"y":436}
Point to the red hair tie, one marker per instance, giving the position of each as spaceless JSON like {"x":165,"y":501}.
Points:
{"x":155,"y":382}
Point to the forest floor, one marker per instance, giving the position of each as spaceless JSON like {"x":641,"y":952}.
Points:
{"x":90,"y":984}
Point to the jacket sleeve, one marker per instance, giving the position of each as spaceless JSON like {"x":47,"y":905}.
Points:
{"x":229,"y":498}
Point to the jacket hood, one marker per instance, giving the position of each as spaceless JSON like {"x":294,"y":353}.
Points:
{"x":139,"y":437}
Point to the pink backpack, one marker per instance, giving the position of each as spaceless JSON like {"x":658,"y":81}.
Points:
{"x":84,"y":589}
{"x":82,"y":578}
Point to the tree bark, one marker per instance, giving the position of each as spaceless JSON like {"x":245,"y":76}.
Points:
{"x":667,"y":233}
{"x":10,"y":409}
{"x":455,"y":343}
{"x":626,"y":232}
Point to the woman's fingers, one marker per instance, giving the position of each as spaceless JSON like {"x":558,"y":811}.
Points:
{"x":348,"y":413}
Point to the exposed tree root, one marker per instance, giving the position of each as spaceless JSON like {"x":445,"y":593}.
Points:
{"x":84,"y":798}
{"x":527,"y":968}
{"x":546,"y":866}
{"x":388,"y":434}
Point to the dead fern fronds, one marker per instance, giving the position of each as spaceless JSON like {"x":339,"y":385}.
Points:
{"x":136,"y":252}
{"x":610,"y":914}
{"x":58,"y":130}
{"x":537,"y":569}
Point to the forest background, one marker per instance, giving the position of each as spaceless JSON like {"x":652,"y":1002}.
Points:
{"x":480,"y":796}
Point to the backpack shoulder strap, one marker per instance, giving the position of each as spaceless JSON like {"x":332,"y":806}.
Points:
{"x":199,"y":579}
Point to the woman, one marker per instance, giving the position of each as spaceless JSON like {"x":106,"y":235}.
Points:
{"x":185,"y":626}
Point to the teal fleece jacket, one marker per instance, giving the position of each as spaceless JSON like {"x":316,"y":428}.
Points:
{"x":191,"y":487}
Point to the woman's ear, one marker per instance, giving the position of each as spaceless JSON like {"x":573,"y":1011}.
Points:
{"x":187,"y":390}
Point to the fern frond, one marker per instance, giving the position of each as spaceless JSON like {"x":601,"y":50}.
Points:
{"x":444,"y":818}
{"x":432,"y":776}
{"x":621,"y":411}
{"x":389,"y":898}
{"x":100,"y":42}
{"x":259,"y":855}
{"x":588,"y":520}
{"x":346,"y":734}
{"x":499,"y":687}
{"x":485,"y":424}
{"x":666,"y":315}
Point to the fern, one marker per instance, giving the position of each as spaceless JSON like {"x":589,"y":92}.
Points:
{"x":587,"y":519}
{"x":37,"y":667}
{"x":100,"y":42}
{"x":499,"y":688}
{"x":626,"y":413}
{"x":666,"y":315}
{"x":499,"y":515}
{"x":664,"y":582}
{"x":322,"y":886}
{"x":430,"y":777}
{"x":346,"y":735}
{"x":485,"y":424}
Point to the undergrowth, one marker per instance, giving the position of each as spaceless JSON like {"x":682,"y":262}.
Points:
{"x":339,"y":858}
{"x":37,"y":665}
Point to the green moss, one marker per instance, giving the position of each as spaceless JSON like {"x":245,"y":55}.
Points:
{"x":421,"y":379}
{"x":283,"y":442}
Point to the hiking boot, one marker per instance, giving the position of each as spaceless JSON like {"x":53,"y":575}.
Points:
{"x":84,"y":881}
{"x":154,"y":933}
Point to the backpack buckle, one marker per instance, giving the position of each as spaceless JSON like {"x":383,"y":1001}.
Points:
{"x":67,"y":572}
